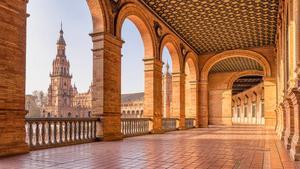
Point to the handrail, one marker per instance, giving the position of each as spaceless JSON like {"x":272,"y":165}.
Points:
{"x":54,"y":132}
{"x":135,"y":126}
{"x":170,"y":124}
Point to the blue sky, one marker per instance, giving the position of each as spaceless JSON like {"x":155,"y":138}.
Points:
{"x":43,"y":26}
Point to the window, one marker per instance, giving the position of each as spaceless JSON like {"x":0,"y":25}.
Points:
{"x":238,"y":112}
{"x":253,"y":110}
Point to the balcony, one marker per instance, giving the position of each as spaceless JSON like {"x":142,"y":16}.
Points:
{"x":44,"y":133}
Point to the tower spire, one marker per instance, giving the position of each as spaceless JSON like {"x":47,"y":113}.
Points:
{"x":61,"y":40}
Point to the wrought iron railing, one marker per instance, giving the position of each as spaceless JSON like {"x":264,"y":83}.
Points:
{"x":135,"y":126}
{"x":53,"y":132}
{"x":189,"y":123}
{"x":169,"y":124}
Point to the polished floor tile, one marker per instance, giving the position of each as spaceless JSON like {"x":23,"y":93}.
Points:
{"x":214,"y":148}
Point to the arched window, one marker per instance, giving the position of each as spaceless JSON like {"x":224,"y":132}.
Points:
{"x":69,"y":114}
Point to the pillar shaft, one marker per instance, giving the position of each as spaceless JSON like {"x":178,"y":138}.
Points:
{"x":107,"y":85}
{"x":270,"y":102}
{"x":203,"y":115}
{"x":194,"y":94}
{"x":178,"y":100}
{"x":153,"y":93}
{"x":295,"y":143}
{"x":12,"y":77}
{"x":289,"y":132}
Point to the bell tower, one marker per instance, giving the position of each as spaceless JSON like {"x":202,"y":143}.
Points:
{"x":60,"y":91}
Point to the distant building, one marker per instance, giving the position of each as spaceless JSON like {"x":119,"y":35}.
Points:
{"x":34,"y":110}
{"x":63,"y":98}
{"x":132,"y":105}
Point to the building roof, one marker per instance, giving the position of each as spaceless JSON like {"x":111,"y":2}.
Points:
{"x":132,"y":97}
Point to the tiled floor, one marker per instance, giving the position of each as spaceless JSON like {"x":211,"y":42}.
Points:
{"x":217,"y":147}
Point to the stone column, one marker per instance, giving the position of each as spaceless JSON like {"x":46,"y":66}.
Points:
{"x":270,"y":102}
{"x":12,"y":77}
{"x":289,"y":132}
{"x":203,"y":115}
{"x":195,"y":100}
{"x":259,"y":113}
{"x":107,"y":85}
{"x":178,"y":98}
{"x":295,"y":92}
{"x":283,"y":121}
{"x":278,"y":120}
{"x":295,"y":143}
{"x":153,"y":93}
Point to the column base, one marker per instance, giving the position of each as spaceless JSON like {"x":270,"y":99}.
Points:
{"x":203,"y":122}
{"x":13,"y":149}
{"x":113,"y":137}
{"x":288,"y":142}
{"x":12,"y":133}
{"x":111,"y":123}
{"x":295,"y":149}
{"x":157,"y":131}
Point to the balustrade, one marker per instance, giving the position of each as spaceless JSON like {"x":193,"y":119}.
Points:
{"x":135,"y":126}
{"x":169,"y":124}
{"x":189,"y":123}
{"x":53,"y":132}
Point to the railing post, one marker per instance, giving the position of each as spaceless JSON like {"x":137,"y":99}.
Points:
{"x":50,"y":132}
{"x":60,"y":132}
{"x":66,"y":131}
{"x":43,"y":133}
{"x":55,"y":132}
{"x":37,"y":143}
{"x":30,"y":134}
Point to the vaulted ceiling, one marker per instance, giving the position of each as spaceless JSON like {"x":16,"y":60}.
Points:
{"x":218,"y":25}
{"x":235,"y":64}
{"x":244,"y":83}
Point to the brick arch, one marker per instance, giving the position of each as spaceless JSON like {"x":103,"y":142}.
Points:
{"x":236,"y":53}
{"x":192,"y":63}
{"x":100,"y":16}
{"x":134,"y":13}
{"x":170,"y":43}
{"x":237,"y":75}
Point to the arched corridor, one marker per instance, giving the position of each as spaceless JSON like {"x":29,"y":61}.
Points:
{"x":239,"y":72}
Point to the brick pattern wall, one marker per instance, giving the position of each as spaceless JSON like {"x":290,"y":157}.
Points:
{"x":12,"y":76}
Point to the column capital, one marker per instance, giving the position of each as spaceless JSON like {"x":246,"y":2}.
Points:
{"x":104,"y":36}
{"x":203,"y":82}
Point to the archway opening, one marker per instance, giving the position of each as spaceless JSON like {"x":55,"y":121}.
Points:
{"x":167,"y":83}
{"x":132,"y":66}
{"x":190,"y":89}
{"x":67,"y":90}
{"x":248,"y":100}
{"x":230,"y":82}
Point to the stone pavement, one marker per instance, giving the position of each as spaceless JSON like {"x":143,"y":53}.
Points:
{"x":216,"y":147}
